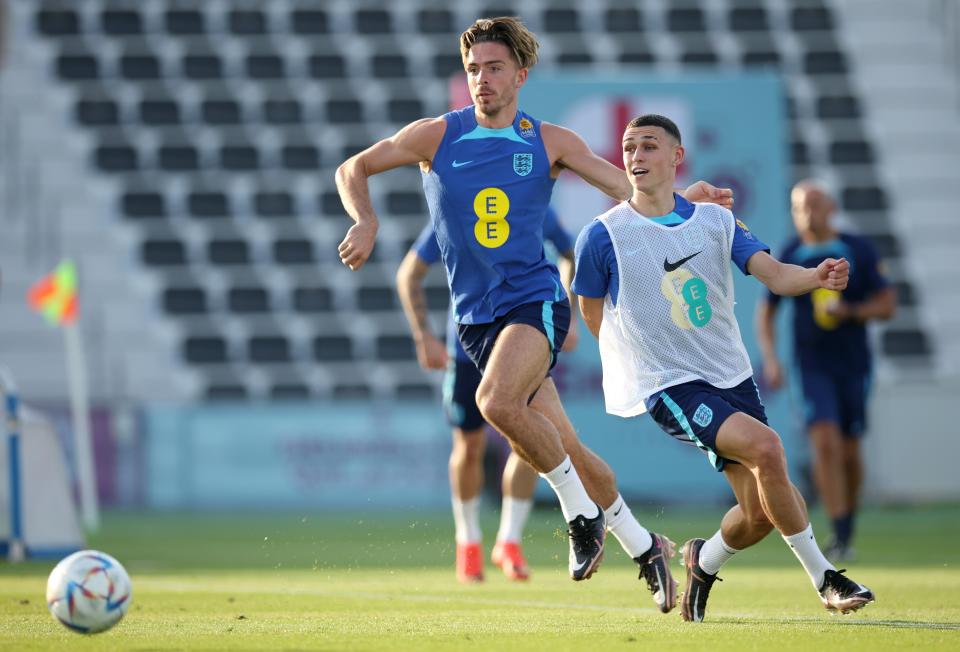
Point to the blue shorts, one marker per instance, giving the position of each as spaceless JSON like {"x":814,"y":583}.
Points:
{"x":460,"y":394}
{"x":552,"y":318}
{"x":693,"y":412}
{"x":836,"y":397}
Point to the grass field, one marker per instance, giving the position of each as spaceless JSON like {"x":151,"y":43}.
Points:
{"x":295,"y":582}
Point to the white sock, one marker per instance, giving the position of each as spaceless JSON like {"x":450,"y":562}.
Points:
{"x":569,"y":489}
{"x":466,"y":520}
{"x":715,"y":553}
{"x":634,"y":538}
{"x":804,"y":546}
{"x":513,"y":517}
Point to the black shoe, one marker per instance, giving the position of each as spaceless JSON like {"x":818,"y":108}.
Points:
{"x":840,"y":593}
{"x":586,"y":544}
{"x":694,"y":604}
{"x":655,"y":568}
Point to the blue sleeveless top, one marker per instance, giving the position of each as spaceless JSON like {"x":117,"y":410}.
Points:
{"x":488,"y":191}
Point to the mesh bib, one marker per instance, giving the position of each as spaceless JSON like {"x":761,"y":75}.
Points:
{"x":673,"y":321}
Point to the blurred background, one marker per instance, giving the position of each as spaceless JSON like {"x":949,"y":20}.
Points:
{"x":182,"y":153}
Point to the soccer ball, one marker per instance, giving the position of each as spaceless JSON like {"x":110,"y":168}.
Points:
{"x":89,"y":591}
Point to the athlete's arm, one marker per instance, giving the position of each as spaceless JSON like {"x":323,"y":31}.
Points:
{"x":567,"y":268}
{"x":592,"y":311}
{"x":431,"y":353}
{"x":567,"y":150}
{"x":767,"y":338}
{"x":415,"y":143}
{"x":705,"y":193}
{"x":790,"y":280}
{"x":880,"y":305}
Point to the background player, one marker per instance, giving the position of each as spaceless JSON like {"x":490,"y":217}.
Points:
{"x":656,"y":287}
{"x":469,"y":429}
{"x":831,"y":352}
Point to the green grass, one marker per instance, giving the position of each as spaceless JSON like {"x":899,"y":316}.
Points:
{"x":374,"y":582}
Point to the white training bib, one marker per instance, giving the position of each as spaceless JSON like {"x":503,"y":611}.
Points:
{"x":673,"y":321}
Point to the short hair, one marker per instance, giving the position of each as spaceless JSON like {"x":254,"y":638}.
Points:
{"x":654,"y":120}
{"x":507,"y":30}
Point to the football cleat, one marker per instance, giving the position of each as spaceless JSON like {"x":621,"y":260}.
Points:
{"x":693,"y":606}
{"x":508,"y":555}
{"x":469,"y":562}
{"x":586,"y":544}
{"x":655,"y":569}
{"x":840,"y":593}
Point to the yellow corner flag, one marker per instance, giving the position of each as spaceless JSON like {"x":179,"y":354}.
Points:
{"x":55,"y":295}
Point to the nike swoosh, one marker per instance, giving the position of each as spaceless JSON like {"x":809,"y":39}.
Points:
{"x":619,"y":509}
{"x":582,"y":564}
{"x":457,"y":164}
{"x":669,"y":267}
{"x":567,"y":470}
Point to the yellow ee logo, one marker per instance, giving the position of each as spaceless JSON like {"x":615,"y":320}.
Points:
{"x":824,"y":301}
{"x":491,"y":206}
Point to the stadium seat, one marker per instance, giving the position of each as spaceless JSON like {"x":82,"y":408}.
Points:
{"x":293,"y":251}
{"x":163,"y":253}
{"x":352,"y":391}
{"x":907,"y":342}
{"x":332,"y":348}
{"x":389,"y":66}
{"x":825,"y":63}
{"x":377,"y":298}
{"x":58,"y":22}
{"x":445,"y":65}
{"x":395,"y":347}
{"x":228,"y":252}
{"x":414,"y":391}
{"x":143,"y":204}
{"x":121,"y":22}
{"x":405,"y":110}
{"x":811,"y":19}
{"x":289,"y":391}
{"x":623,"y":19}
{"x":688,"y":19}
{"x":205,"y":349}
{"x":184,"y":22}
{"x":851,"y":152}
{"x":78,"y":66}
{"x":202,"y":66}
{"x":178,"y":158}
{"x":208,"y":204}
{"x":344,"y":111}
{"x":274,"y":204}
{"x":748,"y":19}
{"x":159,"y":111}
{"x":312,"y":299}
{"x":406,"y":203}
{"x":799,"y":153}
{"x":269,"y":348}
{"x":372,"y":21}
{"x":116,"y":158}
{"x":864,"y":199}
{"x":838,"y":107}
{"x":435,"y":21}
{"x":247,"y":300}
{"x":225,"y":391}
{"x":265,"y":66}
{"x":239,"y":157}
{"x":327,"y":66}
{"x":247,"y":22}
{"x":140,"y":66}
{"x":562,"y":21}
{"x":282,"y":111}
{"x":97,"y":112}
{"x":185,"y":301}
{"x":309,"y":22}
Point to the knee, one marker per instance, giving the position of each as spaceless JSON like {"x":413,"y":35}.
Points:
{"x":496,"y":408}
{"x":768,"y":454}
{"x":468,"y":448}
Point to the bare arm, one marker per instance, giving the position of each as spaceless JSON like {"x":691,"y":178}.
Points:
{"x":567,"y":150}
{"x":592,"y":311}
{"x":431,"y":354}
{"x":767,"y":338}
{"x":790,"y":280}
{"x":568,"y":268}
{"x":415,"y":143}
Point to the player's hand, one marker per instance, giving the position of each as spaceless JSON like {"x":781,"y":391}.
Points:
{"x":833,"y":274}
{"x":431,"y":353}
{"x":840,"y":310}
{"x":703,"y":192}
{"x":573,"y":337}
{"x":773,"y":374}
{"x":358,"y":245}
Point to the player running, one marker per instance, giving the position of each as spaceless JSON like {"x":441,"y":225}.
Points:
{"x":655,"y":281}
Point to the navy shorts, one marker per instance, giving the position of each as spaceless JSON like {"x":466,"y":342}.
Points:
{"x":840,"y":398}
{"x":693,"y":412}
{"x":552,"y":318}
{"x":460,"y":394}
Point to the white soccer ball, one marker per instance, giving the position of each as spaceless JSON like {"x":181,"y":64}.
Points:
{"x":89,"y":591}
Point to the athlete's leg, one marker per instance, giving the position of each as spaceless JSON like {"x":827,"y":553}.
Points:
{"x":746,"y":523}
{"x":519,"y":478}
{"x":829,"y":469}
{"x":466,"y":483}
{"x":518,"y":482}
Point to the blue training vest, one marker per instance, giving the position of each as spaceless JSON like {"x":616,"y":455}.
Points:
{"x":488,"y":191}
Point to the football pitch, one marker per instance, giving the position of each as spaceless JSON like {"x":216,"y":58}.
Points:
{"x":385,"y":582}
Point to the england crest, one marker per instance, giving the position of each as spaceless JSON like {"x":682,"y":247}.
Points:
{"x":523,"y":164}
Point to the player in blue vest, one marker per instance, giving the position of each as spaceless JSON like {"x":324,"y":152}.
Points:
{"x":488,"y":171}
{"x":469,"y":429}
{"x":831,"y":353}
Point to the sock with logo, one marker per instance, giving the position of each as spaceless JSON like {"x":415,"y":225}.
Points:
{"x":574,"y":500}
{"x":634,"y":538}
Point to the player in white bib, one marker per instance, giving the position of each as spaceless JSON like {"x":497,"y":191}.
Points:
{"x":655,"y":281}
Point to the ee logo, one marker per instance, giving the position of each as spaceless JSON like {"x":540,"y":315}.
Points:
{"x":491,"y":206}
{"x":687,"y":295}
